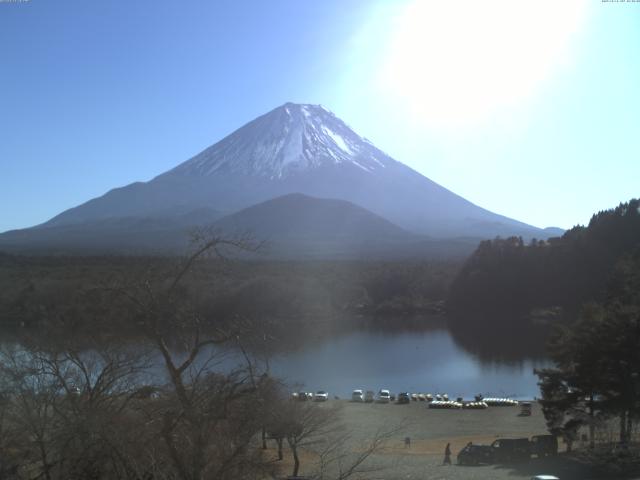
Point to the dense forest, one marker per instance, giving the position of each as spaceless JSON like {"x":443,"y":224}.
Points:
{"x":511,"y":286}
{"x":591,"y":391}
{"x":283,"y":298}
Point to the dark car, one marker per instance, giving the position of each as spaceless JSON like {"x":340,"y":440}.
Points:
{"x":506,"y":450}
{"x":544,"y":445}
{"x":475,"y":455}
{"x":404,"y":397}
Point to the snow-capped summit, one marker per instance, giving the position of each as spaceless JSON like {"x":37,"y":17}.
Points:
{"x":286,"y":141}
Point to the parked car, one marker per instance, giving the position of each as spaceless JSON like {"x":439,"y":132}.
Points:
{"x":545,"y":477}
{"x":357,"y":396}
{"x":544,"y":445}
{"x":369,"y":396}
{"x":403,"y":397}
{"x":475,"y":455}
{"x":384,"y":396}
{"x":506,"y":450}
{"x":525,"y":409}
{"x":321,"y":396}
{"x":303,"y":396}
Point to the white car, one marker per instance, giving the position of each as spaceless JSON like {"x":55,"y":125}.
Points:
{"x":321,"y":396}
{"x":357,"y":396}
{"x":384,"y":396}
{"x":545,"y":477}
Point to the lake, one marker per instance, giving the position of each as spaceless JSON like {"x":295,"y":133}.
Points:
{"x":426,"y":361}
{"x":414,"y":361}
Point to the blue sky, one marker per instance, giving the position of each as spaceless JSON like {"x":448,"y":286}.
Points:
{"x":530,"y":111}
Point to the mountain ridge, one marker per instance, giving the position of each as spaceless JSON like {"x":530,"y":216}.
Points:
{"x":298,"y":148}
{"x":294,"y":226}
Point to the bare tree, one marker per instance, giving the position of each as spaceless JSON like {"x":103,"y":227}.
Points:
{"x":342,"y":457}
{"x":319,"y":431}
{"x":208,"y":418}
{"x":64,"y":408}
{"x":306,"y":424}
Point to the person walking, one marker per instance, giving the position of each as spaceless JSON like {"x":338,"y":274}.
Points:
{"x":447,"y":455}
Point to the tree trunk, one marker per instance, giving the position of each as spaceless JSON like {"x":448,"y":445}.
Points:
{"x":296,"y":461}
{"x":623,"y":426}
{"x":592,"y":426}
{"x":280,"y":455}
{"x":264,"y":438}
{"x":199,"y":460}
{"x":45,"y":462}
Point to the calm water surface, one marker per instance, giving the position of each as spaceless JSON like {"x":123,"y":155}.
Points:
{"x":429,"y":362}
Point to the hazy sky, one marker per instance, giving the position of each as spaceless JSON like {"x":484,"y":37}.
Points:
{"x":530,"y":109}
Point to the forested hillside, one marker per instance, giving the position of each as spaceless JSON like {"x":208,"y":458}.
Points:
{"x":284,"y":298}
{"x":509,"y":284}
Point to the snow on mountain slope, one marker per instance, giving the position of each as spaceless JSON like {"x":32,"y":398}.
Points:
{"x":283,"y":142}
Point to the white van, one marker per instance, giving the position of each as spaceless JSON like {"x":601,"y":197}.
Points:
{"x":384,"y":396}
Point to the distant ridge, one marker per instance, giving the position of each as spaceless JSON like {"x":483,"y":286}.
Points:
{"x":294,"y":148}
{"x":294,"y":226}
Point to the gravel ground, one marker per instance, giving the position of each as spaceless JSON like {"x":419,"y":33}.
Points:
{"x":430,"y":430}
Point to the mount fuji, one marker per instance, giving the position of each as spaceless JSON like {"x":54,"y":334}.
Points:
{"x":293,"y":149}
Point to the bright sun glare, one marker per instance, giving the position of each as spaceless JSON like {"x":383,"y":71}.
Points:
{"x":457,"y":62}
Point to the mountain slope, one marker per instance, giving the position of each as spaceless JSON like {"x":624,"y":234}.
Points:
{"x":299,"y":226}
{"x":293,"y":226}
{"x":307,"y":149}
{"x":297,"y":216}
{"x":132,"y":235}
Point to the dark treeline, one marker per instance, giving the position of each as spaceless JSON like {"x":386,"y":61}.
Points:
{"x":592,"y":390}
{"x":317,"y":297}
{"x":513,"y":285}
